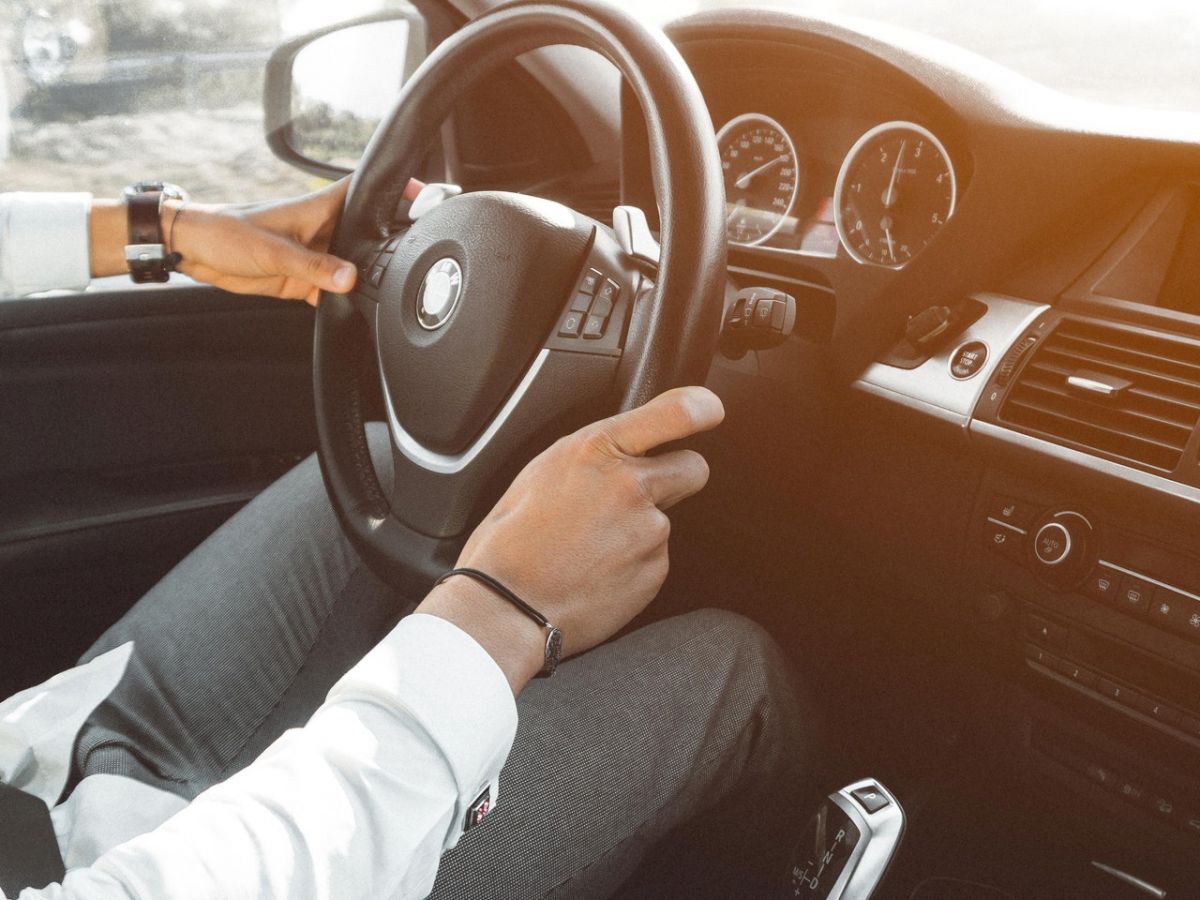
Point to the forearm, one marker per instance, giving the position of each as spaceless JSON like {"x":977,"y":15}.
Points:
{"x":402,"y":748}
{"x":107,"y":236}
{"x":511,"y":639}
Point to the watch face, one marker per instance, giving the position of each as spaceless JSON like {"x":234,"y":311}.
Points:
{"x":166,"y":188}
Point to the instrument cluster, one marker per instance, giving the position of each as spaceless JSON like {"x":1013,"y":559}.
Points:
{"x":895,"y":188}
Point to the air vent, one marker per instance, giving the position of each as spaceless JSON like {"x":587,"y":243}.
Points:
{"x":1130,"y":395}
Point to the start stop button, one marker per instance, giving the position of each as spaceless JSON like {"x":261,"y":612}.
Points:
{"x":968,"y":360}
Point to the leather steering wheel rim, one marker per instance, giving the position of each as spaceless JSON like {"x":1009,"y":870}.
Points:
{"x":673,"y":334}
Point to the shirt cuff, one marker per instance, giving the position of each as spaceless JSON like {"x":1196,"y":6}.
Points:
{"x":44,"y":242}
{"x":440,"y":677}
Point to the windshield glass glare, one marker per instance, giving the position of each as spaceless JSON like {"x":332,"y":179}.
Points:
{"x":1131,"y":52}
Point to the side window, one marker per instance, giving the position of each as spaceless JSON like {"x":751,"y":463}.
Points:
{"x":95,"y":94}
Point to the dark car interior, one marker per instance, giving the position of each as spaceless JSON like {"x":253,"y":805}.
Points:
{"x":959,"y":477}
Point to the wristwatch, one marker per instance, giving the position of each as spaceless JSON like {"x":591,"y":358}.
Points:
{"x":145,"y":253}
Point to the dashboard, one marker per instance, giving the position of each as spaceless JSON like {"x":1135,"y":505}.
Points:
{"x":879,"y":177}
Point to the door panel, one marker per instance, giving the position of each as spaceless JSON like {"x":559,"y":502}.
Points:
{"x":132,"y":423}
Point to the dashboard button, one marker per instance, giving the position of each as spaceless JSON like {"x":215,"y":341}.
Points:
{"x":1011,"y":511}
{"x":581,"y":302}
{"x":1131,"y":790}
{"x":968,"y":360}
{"x":1189,"y":820}
{"x":1052,"y":544}
{"x":1103,"y":584}
{"x":1002,"y":539}
{"x":1176,"y":612}
{"x":1114,"y":691}
{"x":1134,"y":595}
{"x":1077,"y":673}
{"x":1102,"y":775}
{"x":1162,"y":805}
{"x":1036,"y":654}
{"x":1045,"y":632}
{"x":1161,"y":712}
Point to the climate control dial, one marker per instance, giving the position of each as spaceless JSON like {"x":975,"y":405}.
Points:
{"x":1062,"y":548}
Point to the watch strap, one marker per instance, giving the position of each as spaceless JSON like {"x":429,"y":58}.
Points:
{"x":146,"y":253}
{"x":552,"y":652}
{"x":145,"y":225}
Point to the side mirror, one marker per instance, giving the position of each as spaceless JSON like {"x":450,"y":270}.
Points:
{"x":325,"y":92}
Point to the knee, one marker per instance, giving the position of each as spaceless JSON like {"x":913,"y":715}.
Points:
{"x":744,"y":643}
{"x":748,"y":664}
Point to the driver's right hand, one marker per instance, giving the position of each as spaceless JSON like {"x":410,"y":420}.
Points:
{"x":581,"y":534}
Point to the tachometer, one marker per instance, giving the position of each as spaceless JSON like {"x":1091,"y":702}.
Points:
{"x":896,"y":189}
{"x":762,"y":177}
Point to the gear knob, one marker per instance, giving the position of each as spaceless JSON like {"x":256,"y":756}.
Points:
{"x":848,"y":844}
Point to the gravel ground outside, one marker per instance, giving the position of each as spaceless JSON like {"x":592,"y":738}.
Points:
{"x":218,"y":155}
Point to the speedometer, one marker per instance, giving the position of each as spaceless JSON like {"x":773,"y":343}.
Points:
{"x":762,"y":177}
{"x":895,"y":191}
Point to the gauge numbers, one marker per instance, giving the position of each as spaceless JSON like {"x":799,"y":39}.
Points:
{"x":762,"y":177}
{"x":895,"y":191}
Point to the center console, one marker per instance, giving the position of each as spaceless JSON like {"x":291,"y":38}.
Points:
{"x":1082,"y":549}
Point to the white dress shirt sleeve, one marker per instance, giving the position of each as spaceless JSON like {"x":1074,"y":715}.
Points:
{"x":43,"y":242}
{"x":359,"y":803}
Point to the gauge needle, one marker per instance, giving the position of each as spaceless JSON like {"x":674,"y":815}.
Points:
{"x":743,"y":181}
{"x":889,"y":196}
{"x":737,"y":208}
{"x":887,"y":233}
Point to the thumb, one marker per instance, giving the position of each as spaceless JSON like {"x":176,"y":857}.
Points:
{"x":322,"y":270}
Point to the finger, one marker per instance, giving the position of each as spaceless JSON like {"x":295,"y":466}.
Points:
{"x":412,"y":189}
{"x":284,"y":289}
{"x":671,"y":416}
{"x":671,"y":477}
{"x":322,"y":270}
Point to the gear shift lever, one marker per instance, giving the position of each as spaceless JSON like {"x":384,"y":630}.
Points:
{"x":845,"y":850}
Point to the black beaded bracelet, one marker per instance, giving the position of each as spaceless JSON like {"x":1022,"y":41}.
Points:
{"x":553,"y":650}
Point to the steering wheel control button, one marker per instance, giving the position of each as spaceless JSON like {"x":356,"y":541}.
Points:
{"x":440,"y":292}
{"x":376,"y":276}
{"x":593,"y":328}
{"x":602,"y":306}
{"x":572,"y":324}
{"x":582,"y":303}
{"x":609,"y":291}
{"x":870,"y":798}
{"x":968,"y":360}
{"x":1052,"y":544}
{"x":590,"y":282}
{"x":1134,"y":595}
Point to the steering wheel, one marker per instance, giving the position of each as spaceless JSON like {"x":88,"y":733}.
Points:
{"x":501,"y":321}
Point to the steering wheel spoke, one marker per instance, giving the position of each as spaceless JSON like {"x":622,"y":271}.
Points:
{"x":600,"y":302}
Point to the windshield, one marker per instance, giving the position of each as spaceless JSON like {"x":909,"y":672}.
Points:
{"x":1132,"y":52}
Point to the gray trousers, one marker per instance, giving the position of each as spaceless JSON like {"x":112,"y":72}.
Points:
{"x":683,"y":721}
